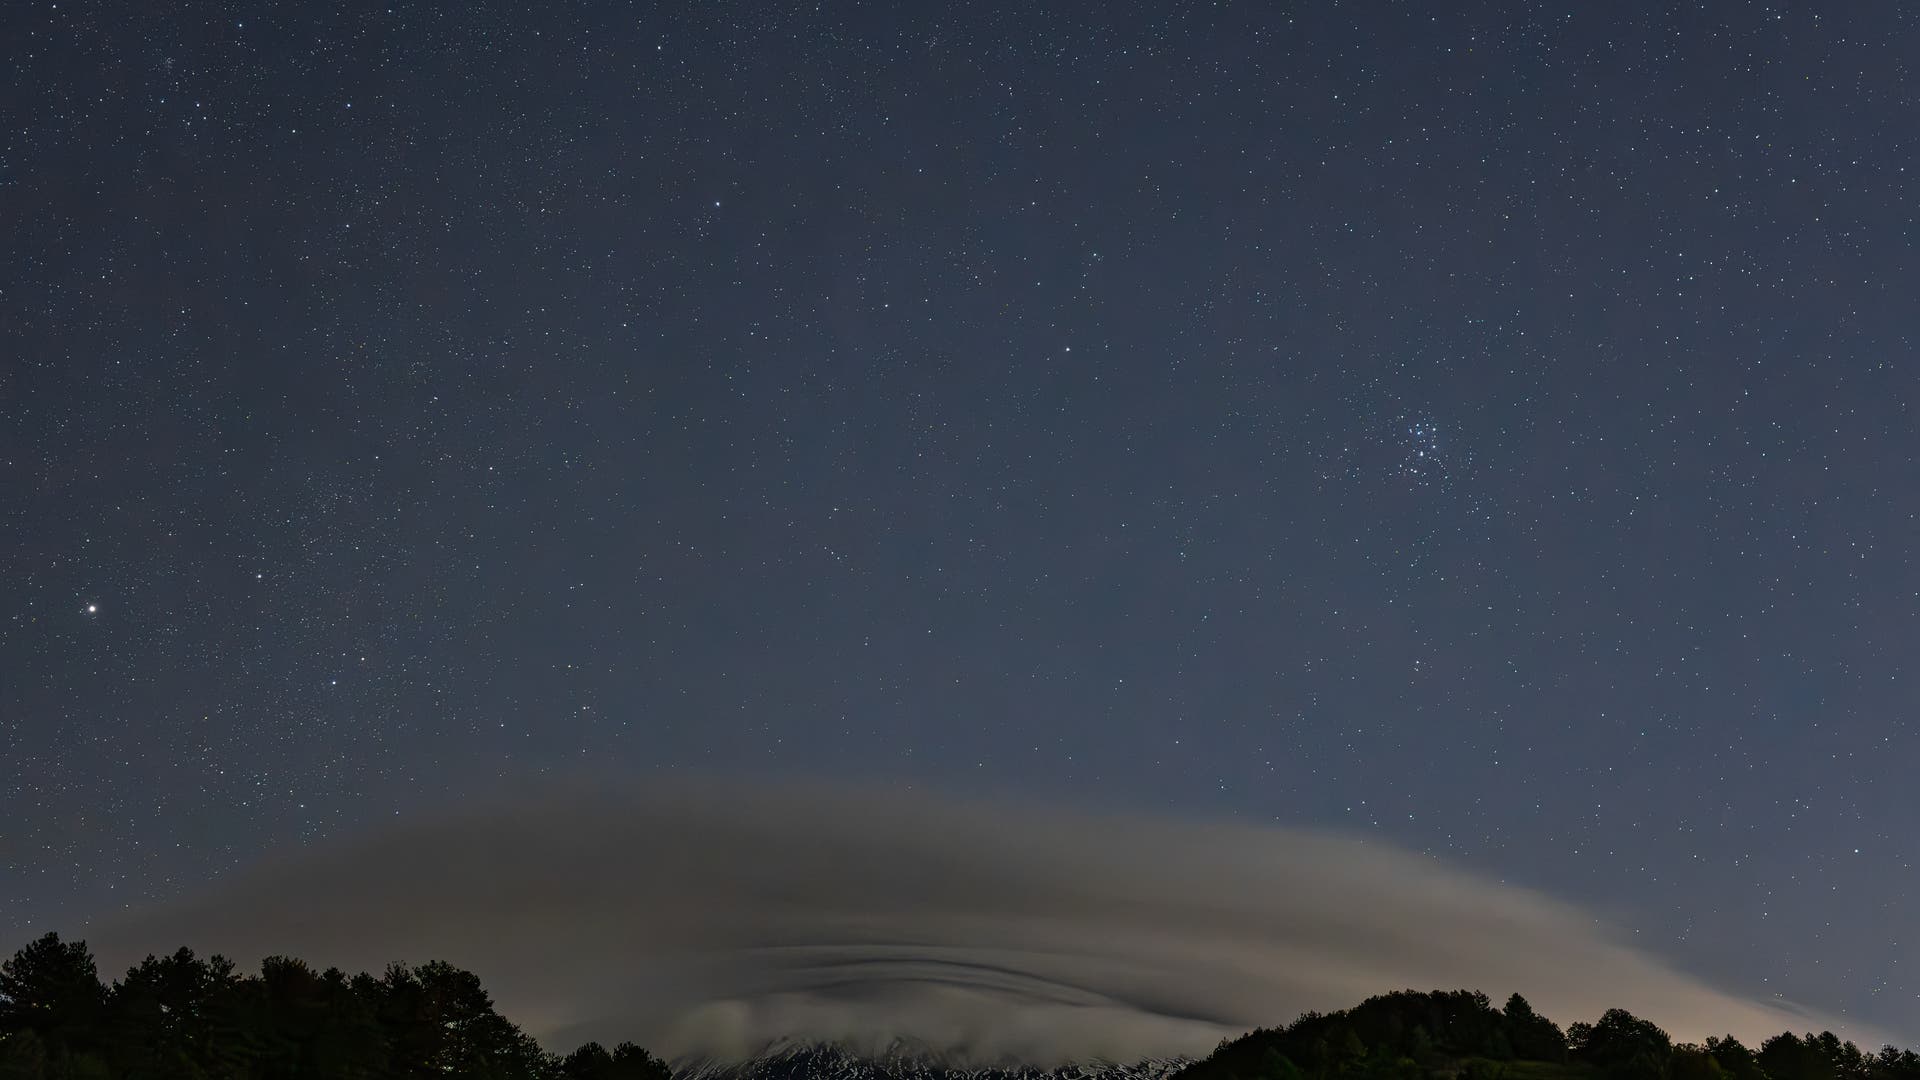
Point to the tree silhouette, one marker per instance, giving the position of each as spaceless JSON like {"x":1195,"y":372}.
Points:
{"x":1787,"y":1057}
{"x":1693,"y":1062}
{"x":1623,"y":1045}
{"x":51,"y":988}
{"x":1735,"y":1060}
{"x":1532,"y":1036}
{"x":1893,"y":1063}
{"x":51,"y":1003}
{"x":626,"y":1062}
{"x":630,"y":1062}
{"x":160,"y":1016}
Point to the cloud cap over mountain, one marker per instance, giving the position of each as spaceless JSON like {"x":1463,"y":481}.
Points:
{"x":714,"y":919}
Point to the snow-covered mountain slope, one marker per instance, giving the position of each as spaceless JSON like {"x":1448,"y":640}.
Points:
{"x":900,"y":1061}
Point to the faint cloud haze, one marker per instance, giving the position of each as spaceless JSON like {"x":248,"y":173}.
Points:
{"x":713,"y":920}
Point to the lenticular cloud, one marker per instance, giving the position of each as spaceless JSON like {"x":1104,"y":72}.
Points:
{"x":715,"y":921}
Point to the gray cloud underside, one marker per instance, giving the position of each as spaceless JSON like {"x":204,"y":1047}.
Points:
{"x":714,"y":920}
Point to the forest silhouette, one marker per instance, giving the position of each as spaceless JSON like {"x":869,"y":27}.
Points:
{"x":181,"y":1017}
{"x":1409,"y":1035}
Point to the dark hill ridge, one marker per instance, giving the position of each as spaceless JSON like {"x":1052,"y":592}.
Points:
{"x":903,"y":1061}
{"x":1459,"y":1035}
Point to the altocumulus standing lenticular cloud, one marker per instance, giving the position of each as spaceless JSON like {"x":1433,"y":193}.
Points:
{"x":713,"y":921}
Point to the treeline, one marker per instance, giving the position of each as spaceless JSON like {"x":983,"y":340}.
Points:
{"x":180,"y":1017}
{"x":1419,"y":1036}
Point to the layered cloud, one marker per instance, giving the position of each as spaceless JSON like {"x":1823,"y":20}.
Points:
{"x":714,"y":920}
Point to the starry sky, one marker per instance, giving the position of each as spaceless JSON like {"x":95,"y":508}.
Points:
{"x":1488,"y":428}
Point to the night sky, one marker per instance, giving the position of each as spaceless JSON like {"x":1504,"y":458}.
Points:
{"x":1485,"y":428}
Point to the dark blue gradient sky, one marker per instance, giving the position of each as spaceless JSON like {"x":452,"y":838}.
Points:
{"x":1489,"y":429}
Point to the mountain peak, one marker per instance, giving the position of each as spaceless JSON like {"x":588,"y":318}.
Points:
{"x":904,"y":1059}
